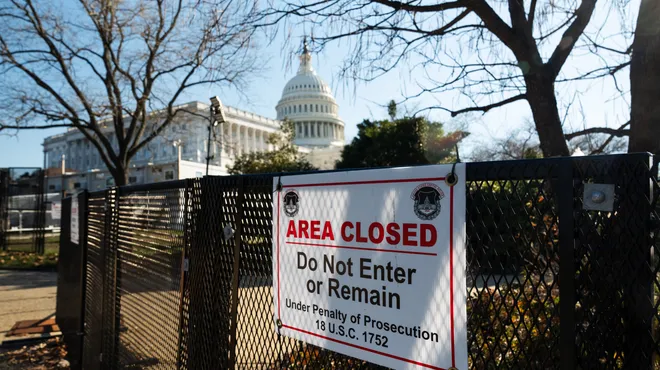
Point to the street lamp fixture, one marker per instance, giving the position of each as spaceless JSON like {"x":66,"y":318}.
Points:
{"x":217,"y":117}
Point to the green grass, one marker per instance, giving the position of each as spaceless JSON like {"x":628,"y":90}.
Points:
{"x":19,"y":254}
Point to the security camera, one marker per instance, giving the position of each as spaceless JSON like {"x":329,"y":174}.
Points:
{"x":218,"y":111}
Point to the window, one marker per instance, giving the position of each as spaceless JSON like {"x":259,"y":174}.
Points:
{"x":169,"y":175}
{"x":51,"y":187}
{"x":132,"y":179}
{"x":306,"y":130}
{"x":76,"y":185}
{"x":299,"y":108}
{"x":294,"y":109}
{"x":300,"y":129}
{"x":317,"y":107}
{"x":305,"y":108}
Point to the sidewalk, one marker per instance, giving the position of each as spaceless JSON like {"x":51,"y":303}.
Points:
{"x":25,"y":295}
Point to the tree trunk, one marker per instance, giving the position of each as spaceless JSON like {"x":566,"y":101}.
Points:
{"x":645,"y":81}
{"x":542,"y":101}
{"x":120,"y":174}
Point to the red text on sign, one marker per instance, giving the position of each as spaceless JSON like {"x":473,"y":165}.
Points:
{"x":407,"y":234}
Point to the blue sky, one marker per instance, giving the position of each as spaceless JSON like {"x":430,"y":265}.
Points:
{"x":598,"y":103}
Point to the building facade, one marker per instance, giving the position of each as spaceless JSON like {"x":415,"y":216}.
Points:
{"x":180,"y":151}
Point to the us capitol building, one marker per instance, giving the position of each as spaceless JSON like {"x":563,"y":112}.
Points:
{"x":180,"y":152}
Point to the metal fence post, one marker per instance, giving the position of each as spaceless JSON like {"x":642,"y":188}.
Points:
{"x":109,"y":255}
{"x":71,"y":271}
{"x":637,"y":246}
{"x":117,"y":276}
{"x":183,"y":287}
{"x":240,"y":199}
{"x":565,"y":194}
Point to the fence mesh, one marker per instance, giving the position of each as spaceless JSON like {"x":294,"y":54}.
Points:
{"x":96,"y":242}
{"x":150,"y":247}
{"x":549,"y":284}
{"x":513,"y":266}
{"x":210,"y":274}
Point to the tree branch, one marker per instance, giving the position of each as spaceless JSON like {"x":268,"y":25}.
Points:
{"x":488,"y":107}
{"x":398,"y":5}
{"x":570,"y":36}
{"x":531,"y":16}
{"x":500,"y":29}
{"x":41,"y":127}
{"x":618,"y":132}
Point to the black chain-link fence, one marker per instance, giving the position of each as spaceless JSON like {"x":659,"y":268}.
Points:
{"x":179,"y":275}
{"x":22,"y":209}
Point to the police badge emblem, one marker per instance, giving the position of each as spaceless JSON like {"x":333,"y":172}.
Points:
{"x":427,"y":198}
{"x":291,"y":203}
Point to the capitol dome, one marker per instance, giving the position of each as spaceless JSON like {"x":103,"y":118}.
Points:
{"x":308,"y":102}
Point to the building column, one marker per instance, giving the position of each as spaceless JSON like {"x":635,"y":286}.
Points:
{"x":318,"y":128}
{"x":246,"y":139}
{"x":231,"y":148}
{"x":239,"y":140}
{"x":307,"y":132}
{"x":220,"y":139}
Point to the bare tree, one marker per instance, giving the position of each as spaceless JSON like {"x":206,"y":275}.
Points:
{"x":100,"y":66}
{"x":517,"y":144}
{"x":493,"y":53}
{"x":523,"y":143}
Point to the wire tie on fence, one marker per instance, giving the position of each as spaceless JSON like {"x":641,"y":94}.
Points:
{"x":451,"y":178}
{"x":279,"y":186}
{"x":278,"y":322}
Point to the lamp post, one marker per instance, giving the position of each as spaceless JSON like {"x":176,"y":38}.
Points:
{"x":177,"y":144}
{"x":212,"y":125}
{"x":217,"y":117}
{"x":63,"y":172}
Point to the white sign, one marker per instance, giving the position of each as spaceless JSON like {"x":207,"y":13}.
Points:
{"x":74,"y":220}
{"x":56,"y":210}
{"x":372,"y":264}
